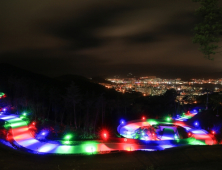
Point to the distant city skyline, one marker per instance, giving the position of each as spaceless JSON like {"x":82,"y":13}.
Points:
{"x":155,"y":86}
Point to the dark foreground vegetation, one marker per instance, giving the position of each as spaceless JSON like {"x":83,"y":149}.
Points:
{"x":184,"y":158}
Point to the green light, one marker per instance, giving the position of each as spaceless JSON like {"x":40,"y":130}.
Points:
{"x":168,"y":119}
{"x":176,"y":137}
{"x":19,"y":124}
{"x":65,"y":149}
{"x":152,"y":122}
{"x":186,"y":117}
{"x":90,"y":148}
{"x":193,"y":141}
{"x":68,"y":137}
{"x":15,"y":120}
{"x":6,"y":126}
{"x":66,"y":142}
{"x":24,"y":114}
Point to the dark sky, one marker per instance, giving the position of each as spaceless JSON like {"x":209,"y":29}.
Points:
{"x":103,"y":37}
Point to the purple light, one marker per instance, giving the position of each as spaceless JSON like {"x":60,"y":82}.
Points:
{"x":194,"y":111}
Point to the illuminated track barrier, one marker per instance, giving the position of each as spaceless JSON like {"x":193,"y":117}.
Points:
{"x":201,"y":136}
{"x":24,"y":138}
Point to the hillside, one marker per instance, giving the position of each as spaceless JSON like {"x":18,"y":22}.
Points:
{"x":184,"y":158}
{"x":8,"y":71}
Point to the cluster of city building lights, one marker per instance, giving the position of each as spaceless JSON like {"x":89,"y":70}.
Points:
{"x":153,"y":86}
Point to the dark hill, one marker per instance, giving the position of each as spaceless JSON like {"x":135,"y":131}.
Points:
{"x":100,"y":80}
{"x":8,"y":71}
{"x":85,"y":84}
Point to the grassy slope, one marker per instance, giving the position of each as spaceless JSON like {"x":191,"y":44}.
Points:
{"x":192,"y":158}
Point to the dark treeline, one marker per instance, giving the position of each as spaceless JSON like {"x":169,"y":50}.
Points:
{"x":77,"y":102}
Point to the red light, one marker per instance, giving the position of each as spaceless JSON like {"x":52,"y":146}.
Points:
{"x":189,"y":134}
{"x":33,"y":123}
{"x":143,"y":118}
{"x":104,"y":135}
{"x":213,"y":132}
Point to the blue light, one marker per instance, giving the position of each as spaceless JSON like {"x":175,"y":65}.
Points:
{"x":4,"y":109}
{"x":47,"y":147}
{"x":43,"y":133}
{"x":122,"y":121}
{"x":196,"y":124}
{"x":28,"y":142}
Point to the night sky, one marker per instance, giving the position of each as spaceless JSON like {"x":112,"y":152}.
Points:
{"x":103,"y":38}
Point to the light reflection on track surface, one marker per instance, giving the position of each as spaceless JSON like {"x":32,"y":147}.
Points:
{"x":21,"y":135}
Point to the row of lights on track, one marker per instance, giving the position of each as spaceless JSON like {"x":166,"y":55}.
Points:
{"x":196,"y":123}
{"x":104,"y":134}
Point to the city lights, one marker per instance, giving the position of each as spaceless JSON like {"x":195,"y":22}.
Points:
{"x":153,"y":86}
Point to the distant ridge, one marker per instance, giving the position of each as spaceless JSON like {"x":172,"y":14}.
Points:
{"x":83,"y":83}
{"x":62,"y":82}
{"x":7,"y":71}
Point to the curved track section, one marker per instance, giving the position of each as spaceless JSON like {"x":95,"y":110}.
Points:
{"x":199,"y":136}
{"x":21,"y":135}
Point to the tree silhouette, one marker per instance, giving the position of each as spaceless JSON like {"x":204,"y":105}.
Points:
{"x":169,"y":100}
{"x":73,"y":98}
{"x":209,"y":29}
{"x":216,"y":101}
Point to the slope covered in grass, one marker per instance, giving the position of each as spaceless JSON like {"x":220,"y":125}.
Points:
{"x":191,"y":157}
